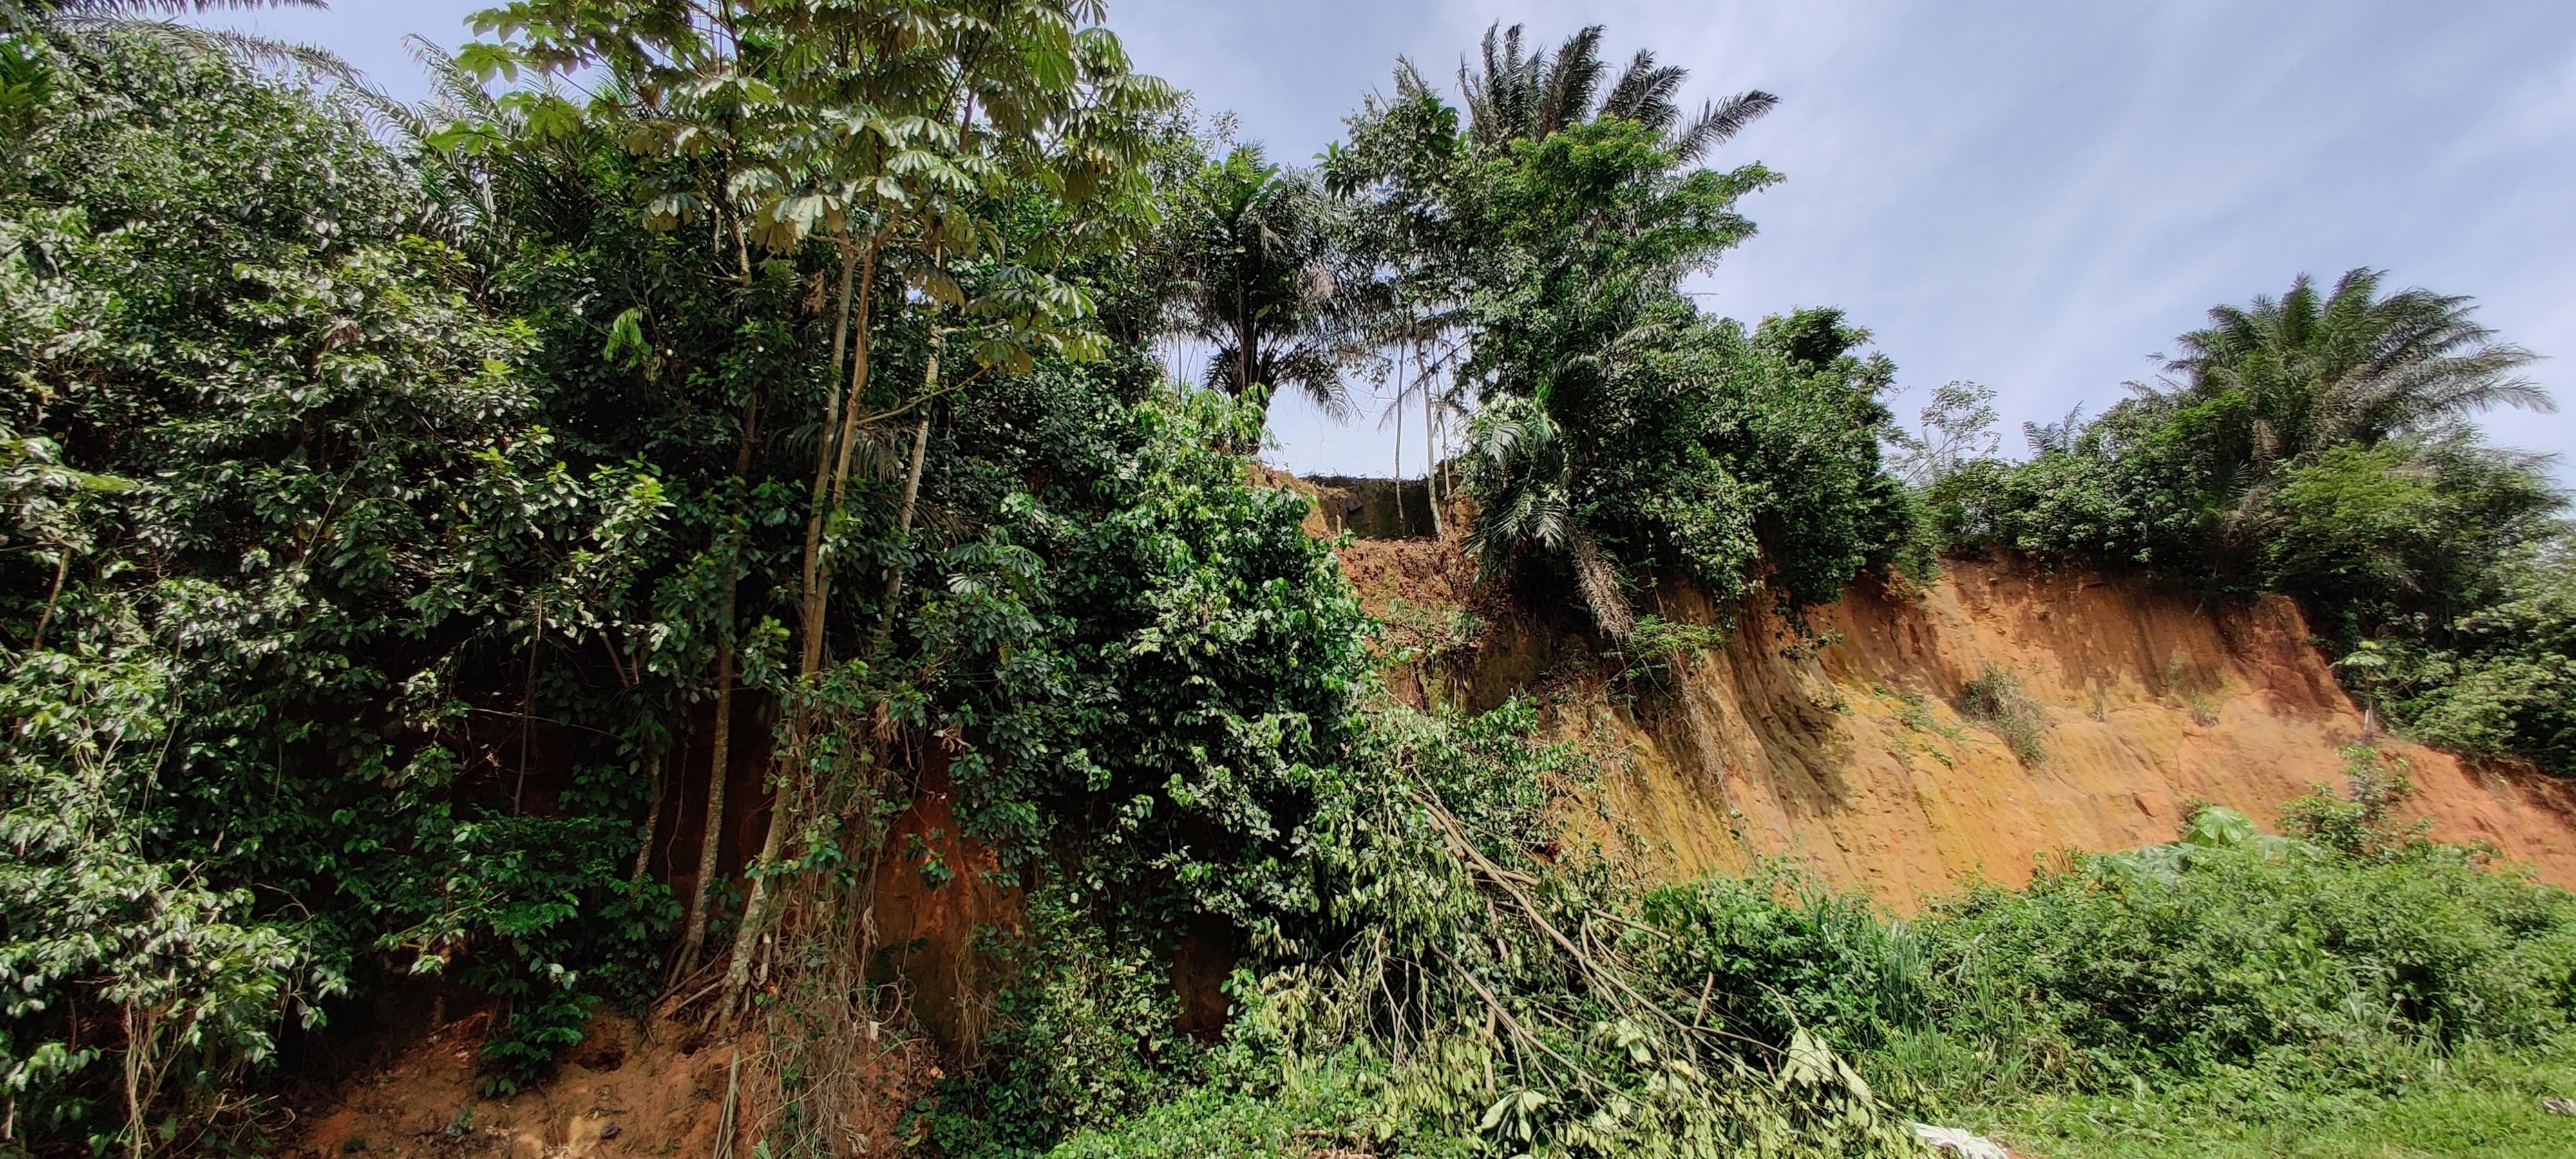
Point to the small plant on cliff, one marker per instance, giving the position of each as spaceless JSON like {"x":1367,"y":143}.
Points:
{"x":1995,"y":699}
{"x":1646,"y":660}
{"x":2358,"y":823}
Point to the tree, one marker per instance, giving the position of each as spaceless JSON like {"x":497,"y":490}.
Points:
{"x":1958,"y":429}
{"x":1522,"y":472}
{"x":2319,"y":445}
{"x":1265,"y":280}
{"x":136,"y":17}
{"x":1512,"y":95}
{"x":277,"y":490}
{"x":1545,"y":232}
{"x":889,"y":132}
{"x":2312,"y":371}
{"x":18,"y":14}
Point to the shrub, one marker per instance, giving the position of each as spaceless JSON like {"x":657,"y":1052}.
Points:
{"x":1773,"y":952}
{"x":1994,"y":699}
{"x":1085,"y":1035}
{"x":2288,"y":955}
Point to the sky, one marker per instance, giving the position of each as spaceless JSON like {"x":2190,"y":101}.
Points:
{"x":2033,"y":196}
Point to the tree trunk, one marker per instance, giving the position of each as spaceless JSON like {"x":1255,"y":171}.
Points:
{"x":746,"y":939}
{"x":1430,"y":452}
{"x":1398,"y":408}
{"x":911,"y":493}
{"x":831,"y":468}
{"x":719,"y":738}
{"x":652,"y":816}
{"x":815,"y":578}
{"x":711,"y":843}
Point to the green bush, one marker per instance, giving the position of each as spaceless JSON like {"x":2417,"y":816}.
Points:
{"x":2286,"y":955}
{"x":1085,"y":1034}
{"x":1773,"y":953}
{"x":2339,"y":958}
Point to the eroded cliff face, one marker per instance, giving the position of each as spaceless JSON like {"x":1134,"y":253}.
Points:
{"x":1848,"y":755}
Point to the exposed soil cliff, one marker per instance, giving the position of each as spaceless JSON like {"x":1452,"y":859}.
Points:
{"x":1847,"y":753}
{"x":627,"y":1090}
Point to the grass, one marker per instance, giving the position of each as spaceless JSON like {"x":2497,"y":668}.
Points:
{"x":1994,"y":699}
{"x":2486,"y":1104}
{"x":1915,"y":712}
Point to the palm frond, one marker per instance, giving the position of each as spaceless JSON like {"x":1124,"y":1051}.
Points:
{"x":2318,"y":367}
{"x":254,"y":51}
{"x":1567,"y":83}
{"x":1719,"y":121}
{"x":1599,"y":583}
{"x":132,"y":9}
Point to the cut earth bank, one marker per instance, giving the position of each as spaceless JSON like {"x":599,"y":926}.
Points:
{"x":1843,"y":750}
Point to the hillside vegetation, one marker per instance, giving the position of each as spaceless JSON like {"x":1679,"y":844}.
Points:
{"x":606,"y":538}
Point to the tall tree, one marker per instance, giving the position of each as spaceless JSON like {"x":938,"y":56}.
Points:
{"x":1266,"y":281}
{"x":887,"y":132}
{"x":1549,"y":227}
{"x":1400,"y":171}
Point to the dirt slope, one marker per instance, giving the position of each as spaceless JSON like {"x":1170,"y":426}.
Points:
{"x":627,"y":1090}
{"x":1851,"y":758}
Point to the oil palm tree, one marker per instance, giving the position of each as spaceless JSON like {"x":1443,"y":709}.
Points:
{"x":2311,"y":370}
{"x":1519,"y":463}
{"x":1514,"y":93}
{"x":1264,"y":281}
{"x":151,"y":17}
{"x":2277,"y":384}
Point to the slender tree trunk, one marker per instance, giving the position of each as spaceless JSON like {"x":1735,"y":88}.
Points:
{"x":1398,"y":408}
{"x":746,"y":939}
{"x":815,"y":576}
{"x":719,"y":762}
{"x":136,"y":1051}
{"x":911,"y":493}
{"x":1242,"y":345}
{"x":717,"y":766}
{"x":720,"y":737}
{"x":652,"y":815}
{"x":831,"y":465}
{"x":53,"y":596}
{"x":1430,"y":451}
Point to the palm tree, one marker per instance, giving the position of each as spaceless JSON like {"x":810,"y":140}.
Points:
{"x":149,"y":17}
{"x":18,"y":14}
{"x":1263,"y":281}
{"x":2315,"y":370}
{"x":1513,"y":94}
{"x":1519,"y":464}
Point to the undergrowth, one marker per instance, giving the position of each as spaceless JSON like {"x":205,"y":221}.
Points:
{"x":1994,"y":699}
{"x":2229,"y":988}
{"x":1463,"y":987}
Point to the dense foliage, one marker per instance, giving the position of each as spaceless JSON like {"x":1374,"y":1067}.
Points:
{"x":2246,"y":967}
{"x":2267,"y":977}
{"x":285,"y":504}
{"x":1624,"y":436}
